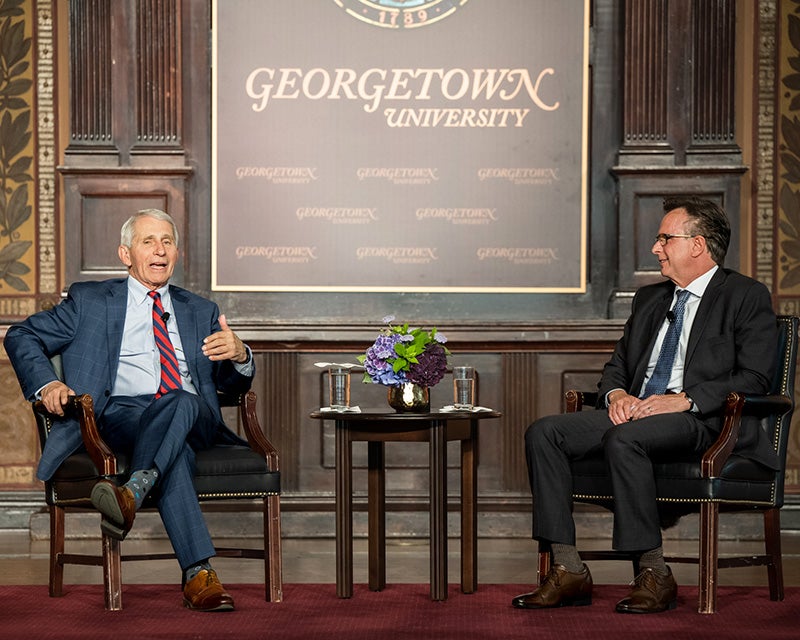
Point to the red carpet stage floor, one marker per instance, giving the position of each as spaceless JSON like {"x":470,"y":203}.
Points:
{"x":312,"y":611}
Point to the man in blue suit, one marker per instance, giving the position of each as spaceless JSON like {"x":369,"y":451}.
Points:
{"x":104,"y":332}
{"x":688,"y":342}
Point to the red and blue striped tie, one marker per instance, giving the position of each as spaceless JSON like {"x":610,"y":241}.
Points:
{"x":170,"y":372}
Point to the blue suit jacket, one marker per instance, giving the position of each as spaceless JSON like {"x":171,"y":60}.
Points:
{"x":86,"y":329}
{"x":731,"y":348}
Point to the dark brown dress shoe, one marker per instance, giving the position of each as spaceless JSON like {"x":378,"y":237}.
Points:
{"x":561,"y":588}
{"x":118,"y":507}
{"x":205,"y":592}
{"x":650,"y":593}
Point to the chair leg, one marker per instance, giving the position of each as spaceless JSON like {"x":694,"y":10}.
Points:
{"x":545,"y":561}
{"x":708,"y":555}
{"x":273,"y":570}
{"x":772,"y":542}
{"x":56,"y":551}
{"x":112,"y":573}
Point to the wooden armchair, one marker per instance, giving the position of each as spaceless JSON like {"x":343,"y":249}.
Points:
{"x":229,"y":473}
{"x":721,"y":481}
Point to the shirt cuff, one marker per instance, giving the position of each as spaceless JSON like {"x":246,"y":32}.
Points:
{"x":38,"y":394}
{"x":246,"y":368}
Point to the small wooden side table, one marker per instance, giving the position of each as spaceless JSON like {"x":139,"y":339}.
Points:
{"x":376,"y":428}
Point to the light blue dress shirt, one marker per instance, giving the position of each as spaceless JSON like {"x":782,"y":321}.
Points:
{"x":139,"y":370}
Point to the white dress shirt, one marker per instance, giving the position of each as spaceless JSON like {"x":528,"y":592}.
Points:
{"x":696,"y":288}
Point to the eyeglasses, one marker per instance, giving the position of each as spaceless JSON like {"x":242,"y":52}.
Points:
{"x":663,"y":238}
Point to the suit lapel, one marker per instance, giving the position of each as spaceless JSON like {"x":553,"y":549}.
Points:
{"x":707,"y":303}
{"x":117,"y":303}
{"x":187,"y":327}
{"x":660,"y":306}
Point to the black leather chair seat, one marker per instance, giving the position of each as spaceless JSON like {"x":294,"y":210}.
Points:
{"x":236,"y":472}
{"x":229,"y":471}
{"x":742,"y":481}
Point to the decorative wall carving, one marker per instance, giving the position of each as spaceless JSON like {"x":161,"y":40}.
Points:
{"x":646,"y":84}
{"x":17,"y":151}
{"x":786,"y":257}
{"x":91,"y":66}
{"x":158,"y":72}
{"x":713,"y":48}
{"x":46,"y":215}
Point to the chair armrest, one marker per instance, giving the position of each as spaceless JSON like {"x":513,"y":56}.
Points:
{"x":253,"y":432}
{"x":764,"y":405}
{"x":737,"y":405}
{"x":82,"y":409}
{"x":575,"y":400}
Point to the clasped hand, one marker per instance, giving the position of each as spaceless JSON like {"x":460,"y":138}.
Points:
{"x":624,"y":407}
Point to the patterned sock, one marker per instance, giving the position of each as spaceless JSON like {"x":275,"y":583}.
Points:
{"x":654,"y":559}
{"x":192,"y":571}
{"x":140,"y":484}
{"x":567,"y":554}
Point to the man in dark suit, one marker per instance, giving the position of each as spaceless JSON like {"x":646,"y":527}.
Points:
{"x":688,"y":342}
{"x":152,"y":356}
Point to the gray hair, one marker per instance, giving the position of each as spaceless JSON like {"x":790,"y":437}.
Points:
{"x":126,"y":234}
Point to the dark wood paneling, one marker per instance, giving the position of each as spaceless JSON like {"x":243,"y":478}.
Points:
{"x":679,"y":62}
{"x":519,"y":408}
{"x":90,"y":73}
{"x":713,"y":36}
{"x":100,"y":201}
{"x":158,"y":74}
{"x":641,"y":196}
{"x":524,"y":383}
{"x":646,"y":84}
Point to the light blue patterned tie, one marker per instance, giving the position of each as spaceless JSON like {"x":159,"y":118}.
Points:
{"x":669,"y":348}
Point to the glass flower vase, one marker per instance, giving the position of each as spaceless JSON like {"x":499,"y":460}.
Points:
{"x":410,"y":398}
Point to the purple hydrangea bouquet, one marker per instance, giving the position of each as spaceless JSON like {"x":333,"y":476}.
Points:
{"x":400,"y":355}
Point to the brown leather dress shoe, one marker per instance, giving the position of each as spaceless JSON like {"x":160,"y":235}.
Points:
{"x":205,"y":592}
{"x":650,"y":593}
{"x":118,"y":507}
{"x":561,"y":588}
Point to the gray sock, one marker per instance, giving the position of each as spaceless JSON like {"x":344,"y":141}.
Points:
{"x":567,"y":554}
{"x":140,"y":484}
{"x":654,"y":559}
{"x":192,"y":571}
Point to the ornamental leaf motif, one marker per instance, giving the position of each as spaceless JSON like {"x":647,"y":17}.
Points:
{"x":791,"y":249}
{"x":790,"y":225}
{"x":788,"y":229}
{"x":17,"y":210}
{"x":792,"y":81}
{"x":15,"y":137}
{"x":11,"y":8}
{"x":791,"y":278}
{"x":789,"y":198}
{"x":792,"y":165}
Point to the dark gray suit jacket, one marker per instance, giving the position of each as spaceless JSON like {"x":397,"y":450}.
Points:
{"x":731,"y":348}
{"x":86,"y":329}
